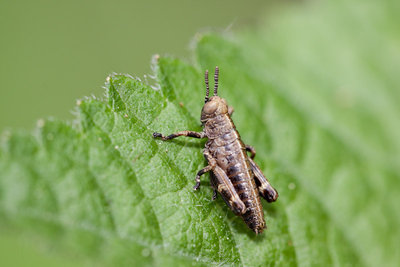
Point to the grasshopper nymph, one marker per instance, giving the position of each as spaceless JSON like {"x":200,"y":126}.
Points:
{"x":234,"y":174}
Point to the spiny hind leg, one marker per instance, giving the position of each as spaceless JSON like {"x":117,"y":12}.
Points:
{"x":251,"y":150}
{"x":221,"y":183}
{"x":225,"y":187}
{"x":264,"y":187}
{"x":182,"y":133}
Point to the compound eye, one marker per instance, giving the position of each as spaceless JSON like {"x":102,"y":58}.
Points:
{"x":210,"y":107}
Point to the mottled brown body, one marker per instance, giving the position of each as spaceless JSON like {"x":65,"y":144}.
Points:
{"x":225,"y":145}
{"x":234,"y":174}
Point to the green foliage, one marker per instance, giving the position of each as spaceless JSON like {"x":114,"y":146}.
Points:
{"x":319,"y":102}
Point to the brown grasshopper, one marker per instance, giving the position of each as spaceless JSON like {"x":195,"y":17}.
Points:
{"x":234,"y":174}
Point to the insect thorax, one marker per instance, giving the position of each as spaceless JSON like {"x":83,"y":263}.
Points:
{"x":218,"y":126}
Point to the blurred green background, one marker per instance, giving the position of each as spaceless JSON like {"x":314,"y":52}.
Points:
{"x":54,"y":52}
{"x":336,"y":62}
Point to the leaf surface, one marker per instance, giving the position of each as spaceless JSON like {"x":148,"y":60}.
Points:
{"x":321,"y":110}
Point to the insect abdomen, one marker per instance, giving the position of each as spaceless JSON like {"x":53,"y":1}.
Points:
{"x":242,"y":179}
{"x":231,"y":156}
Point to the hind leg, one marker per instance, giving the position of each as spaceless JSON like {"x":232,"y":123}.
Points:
{"x":224,"y":186}
{"x":264,"y":187}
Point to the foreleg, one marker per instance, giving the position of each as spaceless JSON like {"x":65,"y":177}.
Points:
{"x":182,"y":133}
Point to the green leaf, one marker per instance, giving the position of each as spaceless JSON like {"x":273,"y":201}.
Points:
{"x":315,"y":93}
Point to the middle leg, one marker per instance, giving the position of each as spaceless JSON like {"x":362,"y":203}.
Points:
{"x":211,"y":165}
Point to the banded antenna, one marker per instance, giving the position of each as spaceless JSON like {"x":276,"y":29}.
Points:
{"x":207,"y":87}
{"x":216,"y":80}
